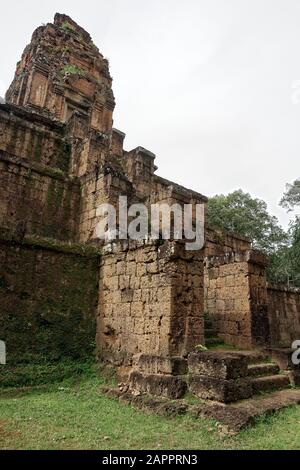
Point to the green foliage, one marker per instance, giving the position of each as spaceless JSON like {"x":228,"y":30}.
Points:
{"x":71,"y":69}
{"x":239,"y":213}
{"x":285,"y":263}
{"x":35,"y":241}
{"x":200,"y":347}
{"x":35,"y":374}
{"x":53,"y":316}
{"x":66,"y":26}
{"x":64,"y":156}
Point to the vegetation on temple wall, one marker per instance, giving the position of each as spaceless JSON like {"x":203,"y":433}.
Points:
{"x":52,"y":244}
{"x":57,"y":223}
{"x":66,"y":26}
{"x":14,"y":138}
{"x":64,"y":155}
{"x":56,"y":173}
{"x":48,"y":312}
{"x":81,"y":249}
{"x":71,"y":69}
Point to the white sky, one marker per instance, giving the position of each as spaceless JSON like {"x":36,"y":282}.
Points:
{"x":207,"y":85}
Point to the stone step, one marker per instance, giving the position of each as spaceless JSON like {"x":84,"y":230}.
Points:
{"x":213,"y":341}
{"x":257,"y":357}
{"x":253,"y":356}
{"x":210,"y":333}
{"x":270,"y":383}
{"x":262,"y":369}
{"x":208,"y":323}
{"x":237,"y":416}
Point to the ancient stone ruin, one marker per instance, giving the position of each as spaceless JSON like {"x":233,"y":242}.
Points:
{"x":145,"y":306}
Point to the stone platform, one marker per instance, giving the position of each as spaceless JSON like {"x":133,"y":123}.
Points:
{"x":232,"y":418}
{"x":225,"y":376}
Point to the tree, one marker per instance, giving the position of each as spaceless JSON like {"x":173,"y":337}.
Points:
{"x":285,"y":263}
{"x":239,"y":213}
{"x":291,"y":198}
{"x":284,"y":266}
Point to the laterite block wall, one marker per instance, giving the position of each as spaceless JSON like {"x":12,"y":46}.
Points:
{"x":48,"y":300}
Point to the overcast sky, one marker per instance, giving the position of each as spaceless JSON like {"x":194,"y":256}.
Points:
{"x":210,"y":86}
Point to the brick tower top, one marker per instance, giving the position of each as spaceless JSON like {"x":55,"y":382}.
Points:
{"x":62,"y":71}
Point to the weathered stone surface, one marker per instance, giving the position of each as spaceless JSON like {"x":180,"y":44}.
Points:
{"x":282,"y":357}
{"x":60,"y":159}
{"x":269,"y":383}
{"x":217,"y":389}
{"x":62,"y":64}
{"x":143,"y":312}
{"x":236,"y":297}
{"x":256,"y":370}
{"x":159,"y":385}
{"x":48,"y":295}
{"x":236,"y":416}
{"x":294,"y":377}
{"x":284,"y":317}
{"x":161,"y":365}
{"x":218,"y":364}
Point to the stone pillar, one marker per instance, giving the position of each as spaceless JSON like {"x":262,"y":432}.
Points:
{"x":236,"y":298}
{"x":258,"y":298}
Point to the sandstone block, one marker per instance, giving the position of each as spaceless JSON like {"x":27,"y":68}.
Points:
{"x":161,"y":365}
{"x":218,"y":364}
{"x":160,"y":385}
{"x":218,"y":389}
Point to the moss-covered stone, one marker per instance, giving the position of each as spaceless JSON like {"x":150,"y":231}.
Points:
{"x":48,"y":297}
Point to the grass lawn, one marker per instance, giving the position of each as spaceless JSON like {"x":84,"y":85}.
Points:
{"x":73,"y":414}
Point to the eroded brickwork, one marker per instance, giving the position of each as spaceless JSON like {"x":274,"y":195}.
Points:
{"x":235,"y":298}
{"x":34,"y":138}
{"x":48,"y":298}
{"x":150,"y":301}
{"x":284,"y":315}
{"x":62,"y":71}
{"x":218,"y":243}
{"x":36,"y":201}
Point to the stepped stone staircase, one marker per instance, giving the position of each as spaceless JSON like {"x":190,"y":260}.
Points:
{"x":234,"y":386}
{"x":266,"y":376}
{"x":272,"y":388}
{"x":230,"y":375}
{"x":210,"y":333}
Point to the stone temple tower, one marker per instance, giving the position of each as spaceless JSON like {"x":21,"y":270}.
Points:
{"x":62,"y":75}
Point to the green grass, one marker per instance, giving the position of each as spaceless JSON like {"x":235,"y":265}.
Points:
{"x":73,"y":414}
